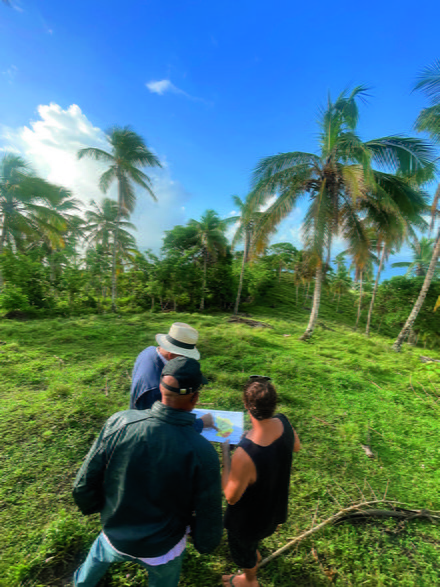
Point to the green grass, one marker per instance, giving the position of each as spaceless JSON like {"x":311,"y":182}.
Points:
{"x":60,"y":380}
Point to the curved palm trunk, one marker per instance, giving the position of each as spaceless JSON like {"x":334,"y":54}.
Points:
{"x":414,"y":312}
{"x":205,"y":264}
{"x":52,"y":266}
{"x":329,"y":254}
{"x":240,"y":284}
{"x":115,"y":246}
{"x":360,"y":300}
{"x":373,"y":297}
{"x":316,"y":299}
{"x":2,"y":241}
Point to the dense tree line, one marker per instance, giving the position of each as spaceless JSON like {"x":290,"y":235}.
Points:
{"x":58,"y":258}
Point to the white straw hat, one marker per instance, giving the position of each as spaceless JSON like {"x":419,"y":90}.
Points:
{"x":180,"y":340}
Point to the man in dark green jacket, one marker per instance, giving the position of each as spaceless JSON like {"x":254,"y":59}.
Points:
{"x":153,"y":479}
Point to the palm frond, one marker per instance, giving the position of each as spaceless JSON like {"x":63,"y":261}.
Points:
{"x":106,"y":178}
{"x":429,"y":121}
{"x":429,"y":81}
{"x":96,"y":154}
{"x":434,"y":210}
{"x":127,"y":197}
{"x":141,"y":179}
{"x":354,"y":184}
{"x":238,"y":202}
{"x":318,"y":222}
{"x":346,"y":106}
{"x":268,"y":167}
{"x":404,"y":155}
{"x":238,"y":236}
{"x":131,"y":147}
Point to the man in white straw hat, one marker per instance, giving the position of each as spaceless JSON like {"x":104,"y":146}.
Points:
{"x":181,"y":340}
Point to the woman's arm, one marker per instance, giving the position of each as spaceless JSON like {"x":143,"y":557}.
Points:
{"x":238,"y":473}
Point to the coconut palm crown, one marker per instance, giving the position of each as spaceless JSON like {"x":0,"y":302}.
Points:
{"x":128,"y":153}
{"x":346,"y":179}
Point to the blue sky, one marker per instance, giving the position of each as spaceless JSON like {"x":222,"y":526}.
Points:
{"x":211,"y":86}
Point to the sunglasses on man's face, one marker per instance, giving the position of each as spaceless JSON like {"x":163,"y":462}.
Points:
{"x":263,"y":377}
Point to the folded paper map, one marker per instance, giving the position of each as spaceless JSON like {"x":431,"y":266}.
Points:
{"x":229,"y":424}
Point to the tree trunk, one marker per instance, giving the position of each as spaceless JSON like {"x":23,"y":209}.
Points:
{"x":297,"y":287}
{"x":52,"y":267}
{"x":373,"y":297}
{"x":316,"y":299}
{"x":380,"y":324}
{"x":205,"y":263}
{"x":360,"y":300}
{"x":337,"y":305}
{"x":240,"y":284}
{"x":414,"y":312}
{"x":152,"y":303}
{"x":329,"y":254}
{"x":2,"y":241}
{"x":115,"y":246}
{"x":412,"y":338}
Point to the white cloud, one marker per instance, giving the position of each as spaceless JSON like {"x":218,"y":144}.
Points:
{"x":51,"y":143}
{"x":268,"y":203}
{"x":164,"y":86}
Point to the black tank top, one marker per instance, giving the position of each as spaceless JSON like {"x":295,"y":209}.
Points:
{"x":263,"y":505}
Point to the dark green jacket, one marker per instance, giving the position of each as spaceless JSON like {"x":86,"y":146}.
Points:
{"x":150,"y":475}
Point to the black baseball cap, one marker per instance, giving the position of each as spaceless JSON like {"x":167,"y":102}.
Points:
{"x":188,"y":374}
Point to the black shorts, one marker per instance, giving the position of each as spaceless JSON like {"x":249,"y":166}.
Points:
{"x":243,"y":550}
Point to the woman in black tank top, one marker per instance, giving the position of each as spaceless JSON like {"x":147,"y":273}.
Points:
{"x":256,"y":482}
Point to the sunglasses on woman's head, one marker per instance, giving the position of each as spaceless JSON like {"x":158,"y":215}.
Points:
{"x":263,"y":377}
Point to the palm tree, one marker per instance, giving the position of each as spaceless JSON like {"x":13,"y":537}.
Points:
{"x":340,"y":181}
{"x":363,"y":258}
{"x":102,"y":226}
{"x":25,"y":204}
{"x":211,"y":241}
{"x":340,"y":282}
{"x":247,"y":223}
{"x":55,"y":233}
{"x":391,"y":231}
{"x":422,"y":254}
{"x":128,"y":153}
{"x":304,"y":267}
{"x":429,"y":121}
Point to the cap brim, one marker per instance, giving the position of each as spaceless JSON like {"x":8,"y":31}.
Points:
{"x":204,"y":380}
{"x":162,"y":341}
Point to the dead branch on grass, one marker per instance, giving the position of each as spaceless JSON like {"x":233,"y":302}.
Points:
{"x":323,"y":421}
{"x":252,"y":323}
{"x":359,"y":511}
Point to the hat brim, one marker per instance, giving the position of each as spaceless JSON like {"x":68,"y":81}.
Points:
{"x":177,"y":350}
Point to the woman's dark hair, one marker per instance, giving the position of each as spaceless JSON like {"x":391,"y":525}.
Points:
{"x":260,"y":398}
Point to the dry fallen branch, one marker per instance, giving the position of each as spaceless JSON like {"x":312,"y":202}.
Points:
{"x":358,"y":511}
{"x":253,"y":323}
{"x":323,"y":421}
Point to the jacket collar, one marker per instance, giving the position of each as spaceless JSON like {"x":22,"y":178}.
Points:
{"x":173,"y":416}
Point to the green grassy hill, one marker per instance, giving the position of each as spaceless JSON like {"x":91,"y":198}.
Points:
{"x":60,"y":380}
